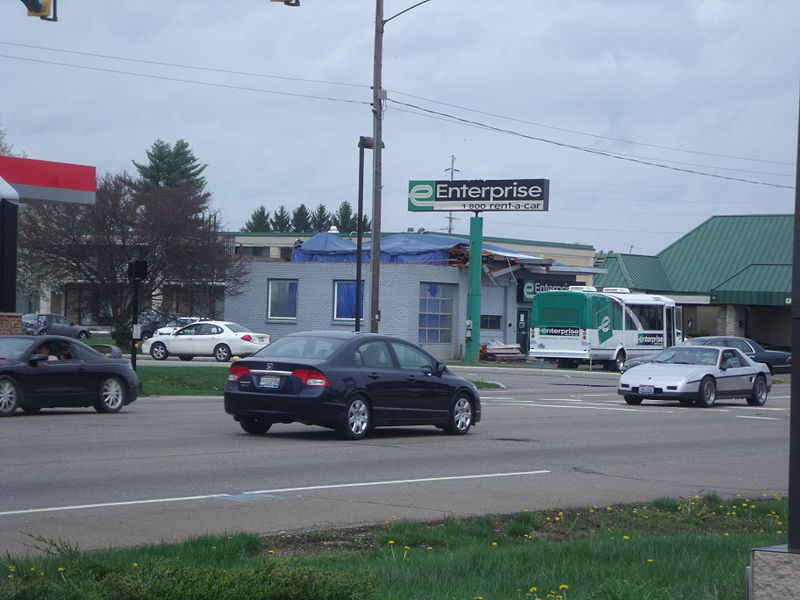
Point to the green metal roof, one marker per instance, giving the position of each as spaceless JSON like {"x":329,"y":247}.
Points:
{"x":767,"y":285}
{"x":736,"y":259}
{"x":633,"y":271}
{"x":723,"y":246}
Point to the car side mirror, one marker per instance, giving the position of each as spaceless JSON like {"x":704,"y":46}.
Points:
{"x":440,"y":367}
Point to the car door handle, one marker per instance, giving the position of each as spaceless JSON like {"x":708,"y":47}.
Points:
{"x":373,"y":375}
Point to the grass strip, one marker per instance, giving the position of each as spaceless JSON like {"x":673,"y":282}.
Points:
{"x":694,"y":548}
{"x":182,"y":381}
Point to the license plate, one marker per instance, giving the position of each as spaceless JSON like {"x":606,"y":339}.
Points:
{"x":269,"y":382}
{"x":646,"y":389}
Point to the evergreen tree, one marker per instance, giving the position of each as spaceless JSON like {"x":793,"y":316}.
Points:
{"x":301,"y":219}
{"x":281,"y":221}
{"x":320,"y":219}
{"x":5,"y":147}
{"x":172,"y":166}
{"x":344,"y":218}
{"x":258,"y":221}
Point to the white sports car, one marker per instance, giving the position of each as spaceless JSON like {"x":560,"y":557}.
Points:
{"x":220,"y":339}
{"x":697,"y":374}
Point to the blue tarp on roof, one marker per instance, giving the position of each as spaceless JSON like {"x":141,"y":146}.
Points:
{"x":326,"y":247}
{"x":400,"y":248}
{"x":418,"y":248}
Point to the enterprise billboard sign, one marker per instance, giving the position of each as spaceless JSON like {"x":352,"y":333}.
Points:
{"x":478,"y":195}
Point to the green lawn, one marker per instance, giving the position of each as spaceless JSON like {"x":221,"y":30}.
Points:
{"x":669,"y":549}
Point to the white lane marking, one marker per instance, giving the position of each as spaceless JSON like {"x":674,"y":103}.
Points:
{"x":760,"y":418}
{"x":266,"y":492}
{"x":536,"y":404}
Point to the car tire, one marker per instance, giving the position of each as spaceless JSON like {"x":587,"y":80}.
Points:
{"x":186,"y":357}
{"x":9,"y":396}
{"x":619,"y":361}
{"x":42,"y":332}
{"x":83,"y":335}
{"x":222,"y":353}
{"x":707,"y":393}
{"x":459,"y":418}
{"x":159,"y":351}
{"x":356,"y":419}
{"x":633,"y":400}
{"x":111,"y":397}
{"x":758,"y":395}
{"x":255,"y":425}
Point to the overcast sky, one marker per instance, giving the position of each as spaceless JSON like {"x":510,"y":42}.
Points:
{"x":274,"y":99}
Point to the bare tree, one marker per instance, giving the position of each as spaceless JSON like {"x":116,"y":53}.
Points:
{"x":171,"y":228}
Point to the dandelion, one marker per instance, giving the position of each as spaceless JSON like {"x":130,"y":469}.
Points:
{"x":626,"y":537}
{"x":650,"y":561}
{"x":135,"y":564}
{"x":494,"y":544}
{"x":60,"y":569}
{"x":563,"y":586}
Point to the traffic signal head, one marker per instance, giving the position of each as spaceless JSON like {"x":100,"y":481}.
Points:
{"x":38,"y":8}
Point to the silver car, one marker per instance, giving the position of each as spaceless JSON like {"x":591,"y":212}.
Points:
{"x":44,"y":323}
{"x":697,"y":375}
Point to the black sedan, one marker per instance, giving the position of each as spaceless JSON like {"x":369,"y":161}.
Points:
{"x":48,"y":371}
{"x":776,"y":360}
{"x":351,"y":382}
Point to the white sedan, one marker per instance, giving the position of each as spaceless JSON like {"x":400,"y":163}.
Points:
{"x":697,"y":375}
{"x":220,"y":339}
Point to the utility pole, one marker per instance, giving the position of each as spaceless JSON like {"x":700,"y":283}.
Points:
{"x":452,"y":170}
{"x":378,"y":96}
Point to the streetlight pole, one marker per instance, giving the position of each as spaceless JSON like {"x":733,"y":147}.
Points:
{"x":363,"y":142}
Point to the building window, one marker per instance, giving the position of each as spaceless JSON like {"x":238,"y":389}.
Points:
{"x":435,"y":313}
{"x":490,"y":321}
{"x":282,"y":299}
{"x":344,"y":301}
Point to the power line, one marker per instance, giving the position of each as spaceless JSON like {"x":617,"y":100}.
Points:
{"x":592,"y":135}
{"x":192,"y":81}
{"x":607,"y":154}
{"x":348,"y":84}
{"x":183,"y":66}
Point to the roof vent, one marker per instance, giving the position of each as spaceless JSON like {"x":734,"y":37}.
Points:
{"x":616,"y":290}
{"x":582,"y":288}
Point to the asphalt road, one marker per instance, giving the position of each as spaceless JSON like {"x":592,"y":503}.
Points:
{"x":172,"y":467}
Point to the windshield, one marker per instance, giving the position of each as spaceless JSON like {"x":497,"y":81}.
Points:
{"x":13,"y":348}
{"x":687,"y":355}
{"x":301,"y":347}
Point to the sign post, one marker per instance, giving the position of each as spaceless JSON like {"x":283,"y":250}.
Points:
{"x":523,"y":195}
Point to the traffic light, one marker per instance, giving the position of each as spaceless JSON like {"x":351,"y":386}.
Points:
{"x":39,"y":8}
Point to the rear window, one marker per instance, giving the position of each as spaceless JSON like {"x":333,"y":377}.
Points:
{"x":301,"y":347}
{"x":236,"y":328}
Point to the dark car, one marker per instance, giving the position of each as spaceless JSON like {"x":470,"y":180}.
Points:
{"x":776,"y":360}
{"x":351,"y":382}
{"x":48,"y":371}
{"x":44,"y":323}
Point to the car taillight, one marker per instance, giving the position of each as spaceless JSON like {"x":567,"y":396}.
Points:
{"x":237,"y":372}
{"x":247,"y":337}
{"x":311,"y":377}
